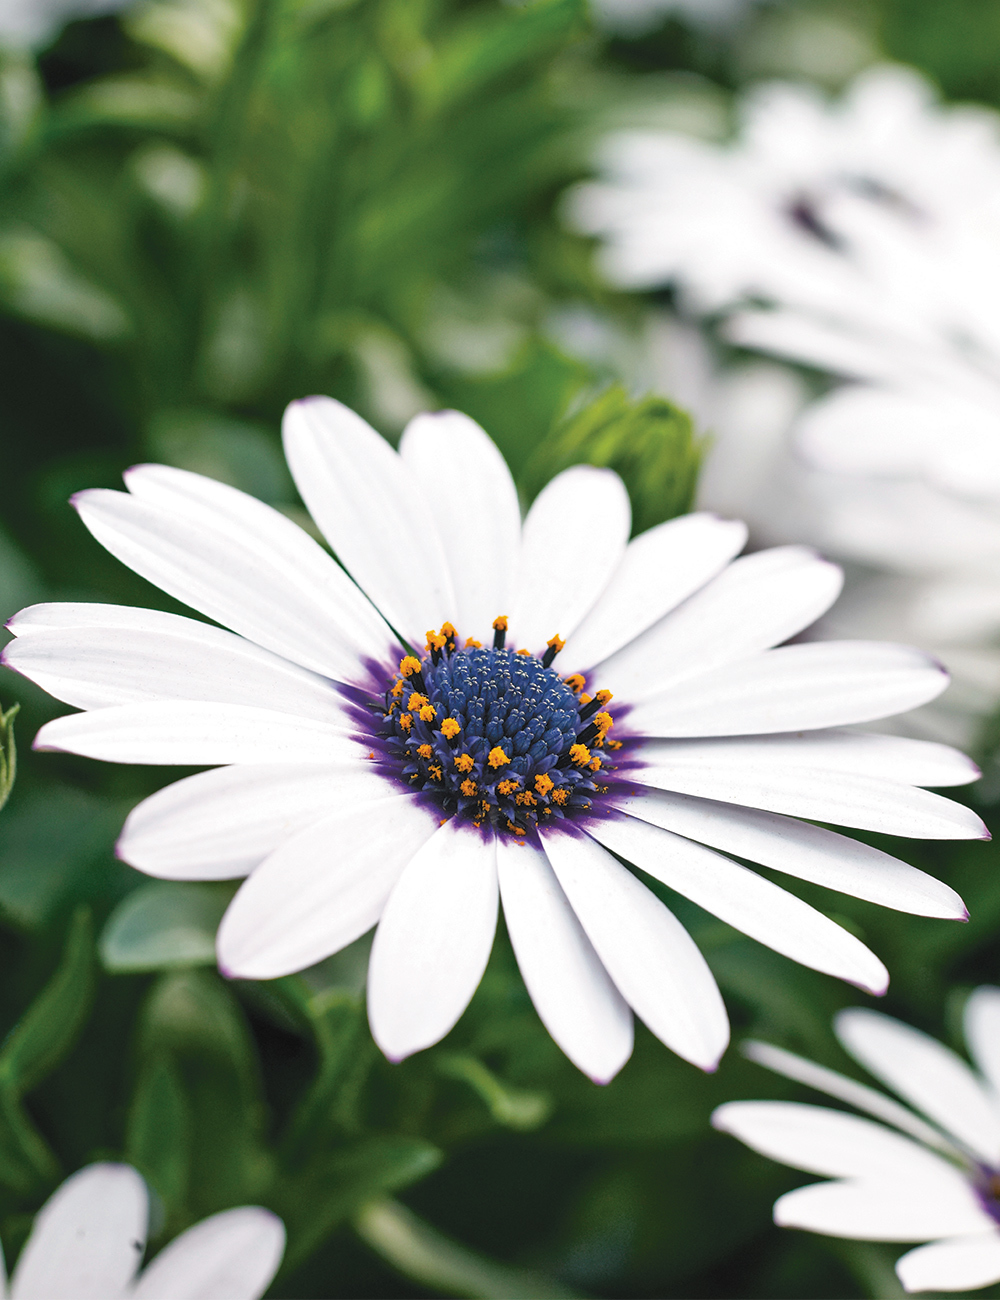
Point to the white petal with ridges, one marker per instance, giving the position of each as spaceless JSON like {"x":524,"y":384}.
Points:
{"x":647,"y":952}
{"x":223,"y":823}
{"x":197,"y":734}
{"x":559,"y":577}
{"x":474,"y":509}
{"x":434,"y":940}
{"x":239,"y":562}
{"x":982,"y":1033}
{"x":793,"y":688}
{"x":100,"y":667}
{"x":88,"y":1238}
{"x":572,"y":992}
{"x":889,"y":758}
{"x":748,"y":902}
{"x":373,"y":512}
{"x":230,"y":1256}
{"x":824,"y":1141}
{"x":800,"y":849}
{"x":904,"y":1209}
{"x":960,"y":1264}
{"x":838,"y":797}
{"x":757,"y":602}
{"x":660,"y":568}
{"x":927,"y":1074}
{"x":322,"y":888}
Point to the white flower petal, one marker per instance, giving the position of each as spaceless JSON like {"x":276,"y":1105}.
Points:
{"x":239,"y":562}
{"x":659,"y":569}
{"x":757,"y":602}
{"x":824,"y":796}
{"x":824,"y":1141}
{"x":373,"y":512}
{"x":927,"y":1074}
{"x":223,"y":823}
{"x":99,"y":667}
{"x":647,"y":952}
{"x":555,"y":586}
{"x":794,"y":688}
{"x":845,"y":1089}
{"x":321,"y":889}
{"x":982,"y":1032}
{"x":475,"y":511}
{"x":890,"y":758}
{"x":88,"y":1238}
{"x":800,"y":849}
{"x":898,"y":1209}
{"x":748,"y":902}
{"x":230,"y":1256}
{"x":434,"y":940}
{"x":573,"y":994}
{"x":197,"y":734}
{"x":961,"y":1264}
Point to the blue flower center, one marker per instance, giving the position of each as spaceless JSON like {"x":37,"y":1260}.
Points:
{"x":496,"y":735}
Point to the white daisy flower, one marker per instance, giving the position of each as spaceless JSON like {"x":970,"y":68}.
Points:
{"x":367,"y":780}
{"x":940,"y":1183}
{"x":88,"y":1240}
{"x":868,"y":230}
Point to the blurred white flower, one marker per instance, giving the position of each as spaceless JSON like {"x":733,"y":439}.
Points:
{"x":28,"y":23}
{"x":936,"y":1181}
{"x":88,"y":1240}
{"x":369,"y":782}
{"x":861,"y":238}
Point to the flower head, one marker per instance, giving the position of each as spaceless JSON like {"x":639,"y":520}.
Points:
{"x":493,"y":712}
{"x":89,"y":1237}
{"x":933,"y":1176}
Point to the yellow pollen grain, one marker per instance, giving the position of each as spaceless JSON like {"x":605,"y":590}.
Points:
{"x":556,"y":642}
{"x":614,"y":744}
{"x":595,"y":763}
{"x":468,"y":788}
{"x":464,"y":762}
{"x":435,"y":771}
{"x":543,"y":784}
{"x":405,"y":722}
{"x":428,"y":713}
{"x":560,"y":796}
{"x":435,"y":641}
{"x":576,"y":682}
{"x":526,"y":653}
{"x":500,"y":623}
{"x":506,"y":787}
{"x":416,"y":702}
{"x":472,"y":644}
{"x":448,"y":631}
{"x":603,"y":722}
{"x":397,"y":689}
{"x":516,"y":829}
{"x":371,"y":753}
{"x":497,"y":757}
{"x":604,"y":697}
{"x":526,"y":799}
{"x":409,"y":665}
{"x":586,"y":699}
{"x":425,"y":751}
{"x":450,"y":728}
{"x":579,"y":754}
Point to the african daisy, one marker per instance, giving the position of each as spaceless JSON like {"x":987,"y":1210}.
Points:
{"x":940,"y":1183}
{"x":495,"y":711}
{"x":88,"y":1240}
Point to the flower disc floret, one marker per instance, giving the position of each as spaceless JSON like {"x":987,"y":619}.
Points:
{"x":494,"y":735}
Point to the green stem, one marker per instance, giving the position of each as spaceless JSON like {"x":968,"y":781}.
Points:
{"x":422,"y":1253}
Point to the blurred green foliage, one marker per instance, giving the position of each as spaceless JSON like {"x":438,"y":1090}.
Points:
{"x":208,"y":208}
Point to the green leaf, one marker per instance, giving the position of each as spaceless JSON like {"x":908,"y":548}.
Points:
{"x":47,"y":1031}
{"x":8,"y":753}
{"x":162,"y":924}
{"x":158,"y":1135}
{"x":650,"y":443}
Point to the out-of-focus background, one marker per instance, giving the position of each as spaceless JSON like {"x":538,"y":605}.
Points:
{"x":780,"y":219}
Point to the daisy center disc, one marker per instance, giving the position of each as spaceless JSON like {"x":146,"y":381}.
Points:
{"x":496,"y":735}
